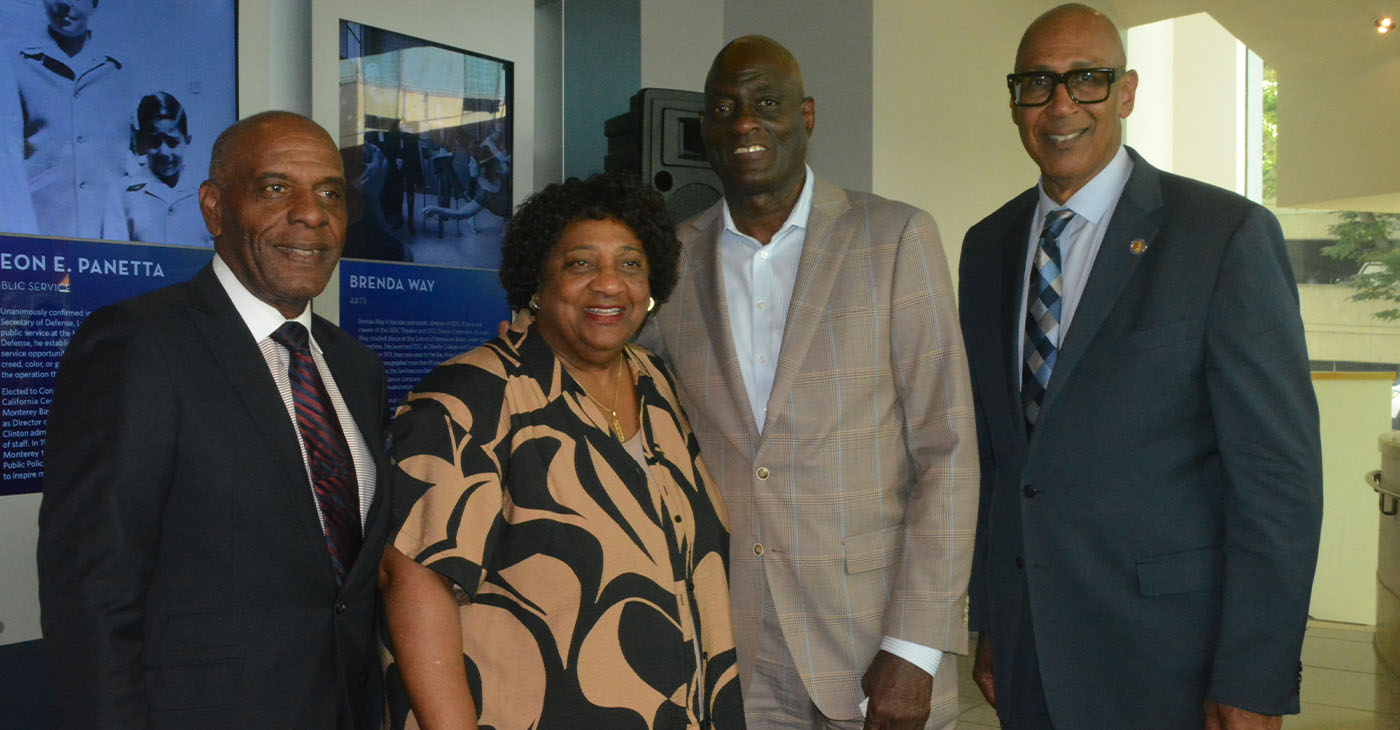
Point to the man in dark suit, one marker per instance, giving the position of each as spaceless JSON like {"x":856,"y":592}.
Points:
{"x":1151,"y":468}
{"x":211,"y":529}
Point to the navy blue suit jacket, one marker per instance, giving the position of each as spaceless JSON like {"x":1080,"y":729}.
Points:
{"x":1162,"y":522}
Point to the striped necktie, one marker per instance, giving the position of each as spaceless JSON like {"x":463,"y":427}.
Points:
{"x":327,"y":454}
{"x":1042,"y":315}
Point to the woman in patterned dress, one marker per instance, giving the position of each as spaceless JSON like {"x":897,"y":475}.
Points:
{"x":558,"y":537}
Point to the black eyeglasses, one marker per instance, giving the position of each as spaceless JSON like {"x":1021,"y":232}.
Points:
{"x":1085,"y":85}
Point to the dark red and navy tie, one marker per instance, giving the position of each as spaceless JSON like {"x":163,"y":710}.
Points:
{"x":327,"y":454}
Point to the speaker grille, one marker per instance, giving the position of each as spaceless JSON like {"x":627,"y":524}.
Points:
{"x":689,"y":199}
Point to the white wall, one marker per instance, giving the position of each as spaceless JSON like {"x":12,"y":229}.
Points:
{"x":1353,"y":412}
{"x":1152,"y":52}
{"x":19,"y":577}
{"x":679,"y":39}
{"x":1191,"y":90}
{"x":273,"y":55}
{"x":943,"y":137}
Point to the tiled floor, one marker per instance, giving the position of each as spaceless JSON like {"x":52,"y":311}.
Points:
{"x":1345,"y":687}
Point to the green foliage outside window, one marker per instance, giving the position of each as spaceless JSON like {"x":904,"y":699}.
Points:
{"x":1369,"y":239}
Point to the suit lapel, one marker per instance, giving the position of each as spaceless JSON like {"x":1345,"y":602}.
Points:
{"x":1134,"y":218}
{"x":714,"y":309}
{"x":822,"y":254}
{"x":1012,"y":267}
{"x":242,"y":363}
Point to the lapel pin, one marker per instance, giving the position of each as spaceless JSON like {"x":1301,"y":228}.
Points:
{"x":1138,"y":247}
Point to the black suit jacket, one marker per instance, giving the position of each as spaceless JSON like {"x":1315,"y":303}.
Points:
{"x":1162,"y":522}
{"x":184,"y":579}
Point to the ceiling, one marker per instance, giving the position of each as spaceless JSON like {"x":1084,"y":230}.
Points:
{"x":1286,"y":33}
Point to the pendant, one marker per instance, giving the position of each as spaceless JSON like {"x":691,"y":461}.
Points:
{"x":617,"y":428}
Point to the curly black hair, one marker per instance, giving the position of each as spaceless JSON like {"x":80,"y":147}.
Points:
{"x":540,"y":221}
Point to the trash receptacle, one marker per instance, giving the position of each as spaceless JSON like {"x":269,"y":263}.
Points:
{"x":1386,"y":481}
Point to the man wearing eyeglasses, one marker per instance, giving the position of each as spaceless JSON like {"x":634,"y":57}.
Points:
{"x":1151,"y":468}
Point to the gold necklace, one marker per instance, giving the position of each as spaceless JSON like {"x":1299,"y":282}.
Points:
{"x":617,"y":390}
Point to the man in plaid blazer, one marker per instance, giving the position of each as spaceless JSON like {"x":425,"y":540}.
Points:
{"x":815,"y":341}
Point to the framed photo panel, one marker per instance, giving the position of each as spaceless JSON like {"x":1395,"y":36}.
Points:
{"x":426,"y":135}
{"x":108,"y":111}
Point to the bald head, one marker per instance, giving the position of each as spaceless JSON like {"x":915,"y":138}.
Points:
{"x":751,"y":50}
{"x":1079,"y":22}
{"x":233,"y":141}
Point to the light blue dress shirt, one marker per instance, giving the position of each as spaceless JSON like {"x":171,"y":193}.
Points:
{"x":1093,"y":207}
{"x":758,"y":283}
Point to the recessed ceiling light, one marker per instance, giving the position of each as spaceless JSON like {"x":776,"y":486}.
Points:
{"x":1385,"y":25}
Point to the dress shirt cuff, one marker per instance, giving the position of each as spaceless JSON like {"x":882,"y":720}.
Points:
{"x":923,"y":657}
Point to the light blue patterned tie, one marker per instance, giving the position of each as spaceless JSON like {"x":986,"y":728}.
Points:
{"x":1042,"y":315}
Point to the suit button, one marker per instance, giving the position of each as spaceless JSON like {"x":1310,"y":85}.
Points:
{"x":758,"y":548}
{"x":1020,"y":563}
{"x":761,"y":472}
{"x":340,"y":607}
{"x":1029,"y":491}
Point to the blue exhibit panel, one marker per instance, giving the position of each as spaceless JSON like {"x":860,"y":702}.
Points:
{"x":416,"y":317}
{"x":47,"y":287}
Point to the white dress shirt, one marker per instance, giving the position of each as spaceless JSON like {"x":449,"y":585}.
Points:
{"x":263,"y":319}
{"x":1093,"y":207}
{"x":758,"y":283}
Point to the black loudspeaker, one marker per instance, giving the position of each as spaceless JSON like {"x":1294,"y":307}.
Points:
{"x":659,"y":139}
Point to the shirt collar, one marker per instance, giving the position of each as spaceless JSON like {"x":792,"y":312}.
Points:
{"x":88,"y":58}
{"x":797,"y":217}
{"x":1098,"y":196}
{"x":261,"y":318}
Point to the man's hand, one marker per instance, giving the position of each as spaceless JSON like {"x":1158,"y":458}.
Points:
{"x":899,"y":693}
{"x":1226,"y":717}
{"x":982,"y":669}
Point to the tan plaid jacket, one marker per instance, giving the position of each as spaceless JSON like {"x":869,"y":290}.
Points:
{"x":860,"y":497}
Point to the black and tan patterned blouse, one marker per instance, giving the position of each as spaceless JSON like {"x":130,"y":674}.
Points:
{"x":594,"y":592}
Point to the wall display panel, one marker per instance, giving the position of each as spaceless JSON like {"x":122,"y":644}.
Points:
{"x":112,"y":111}
{"x":416,"y":317}
{"x":108,"y":111}
{"x":47,"y":287}
{"x":425,"y":132}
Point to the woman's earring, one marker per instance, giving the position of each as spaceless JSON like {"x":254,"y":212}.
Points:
{"x":651,"y":304}
{"x":534,"y":302}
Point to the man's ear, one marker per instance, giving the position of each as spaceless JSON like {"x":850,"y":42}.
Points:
{"x":809,"y":114}
{"x":209,"y":207}
{"x":1127,"y":94}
